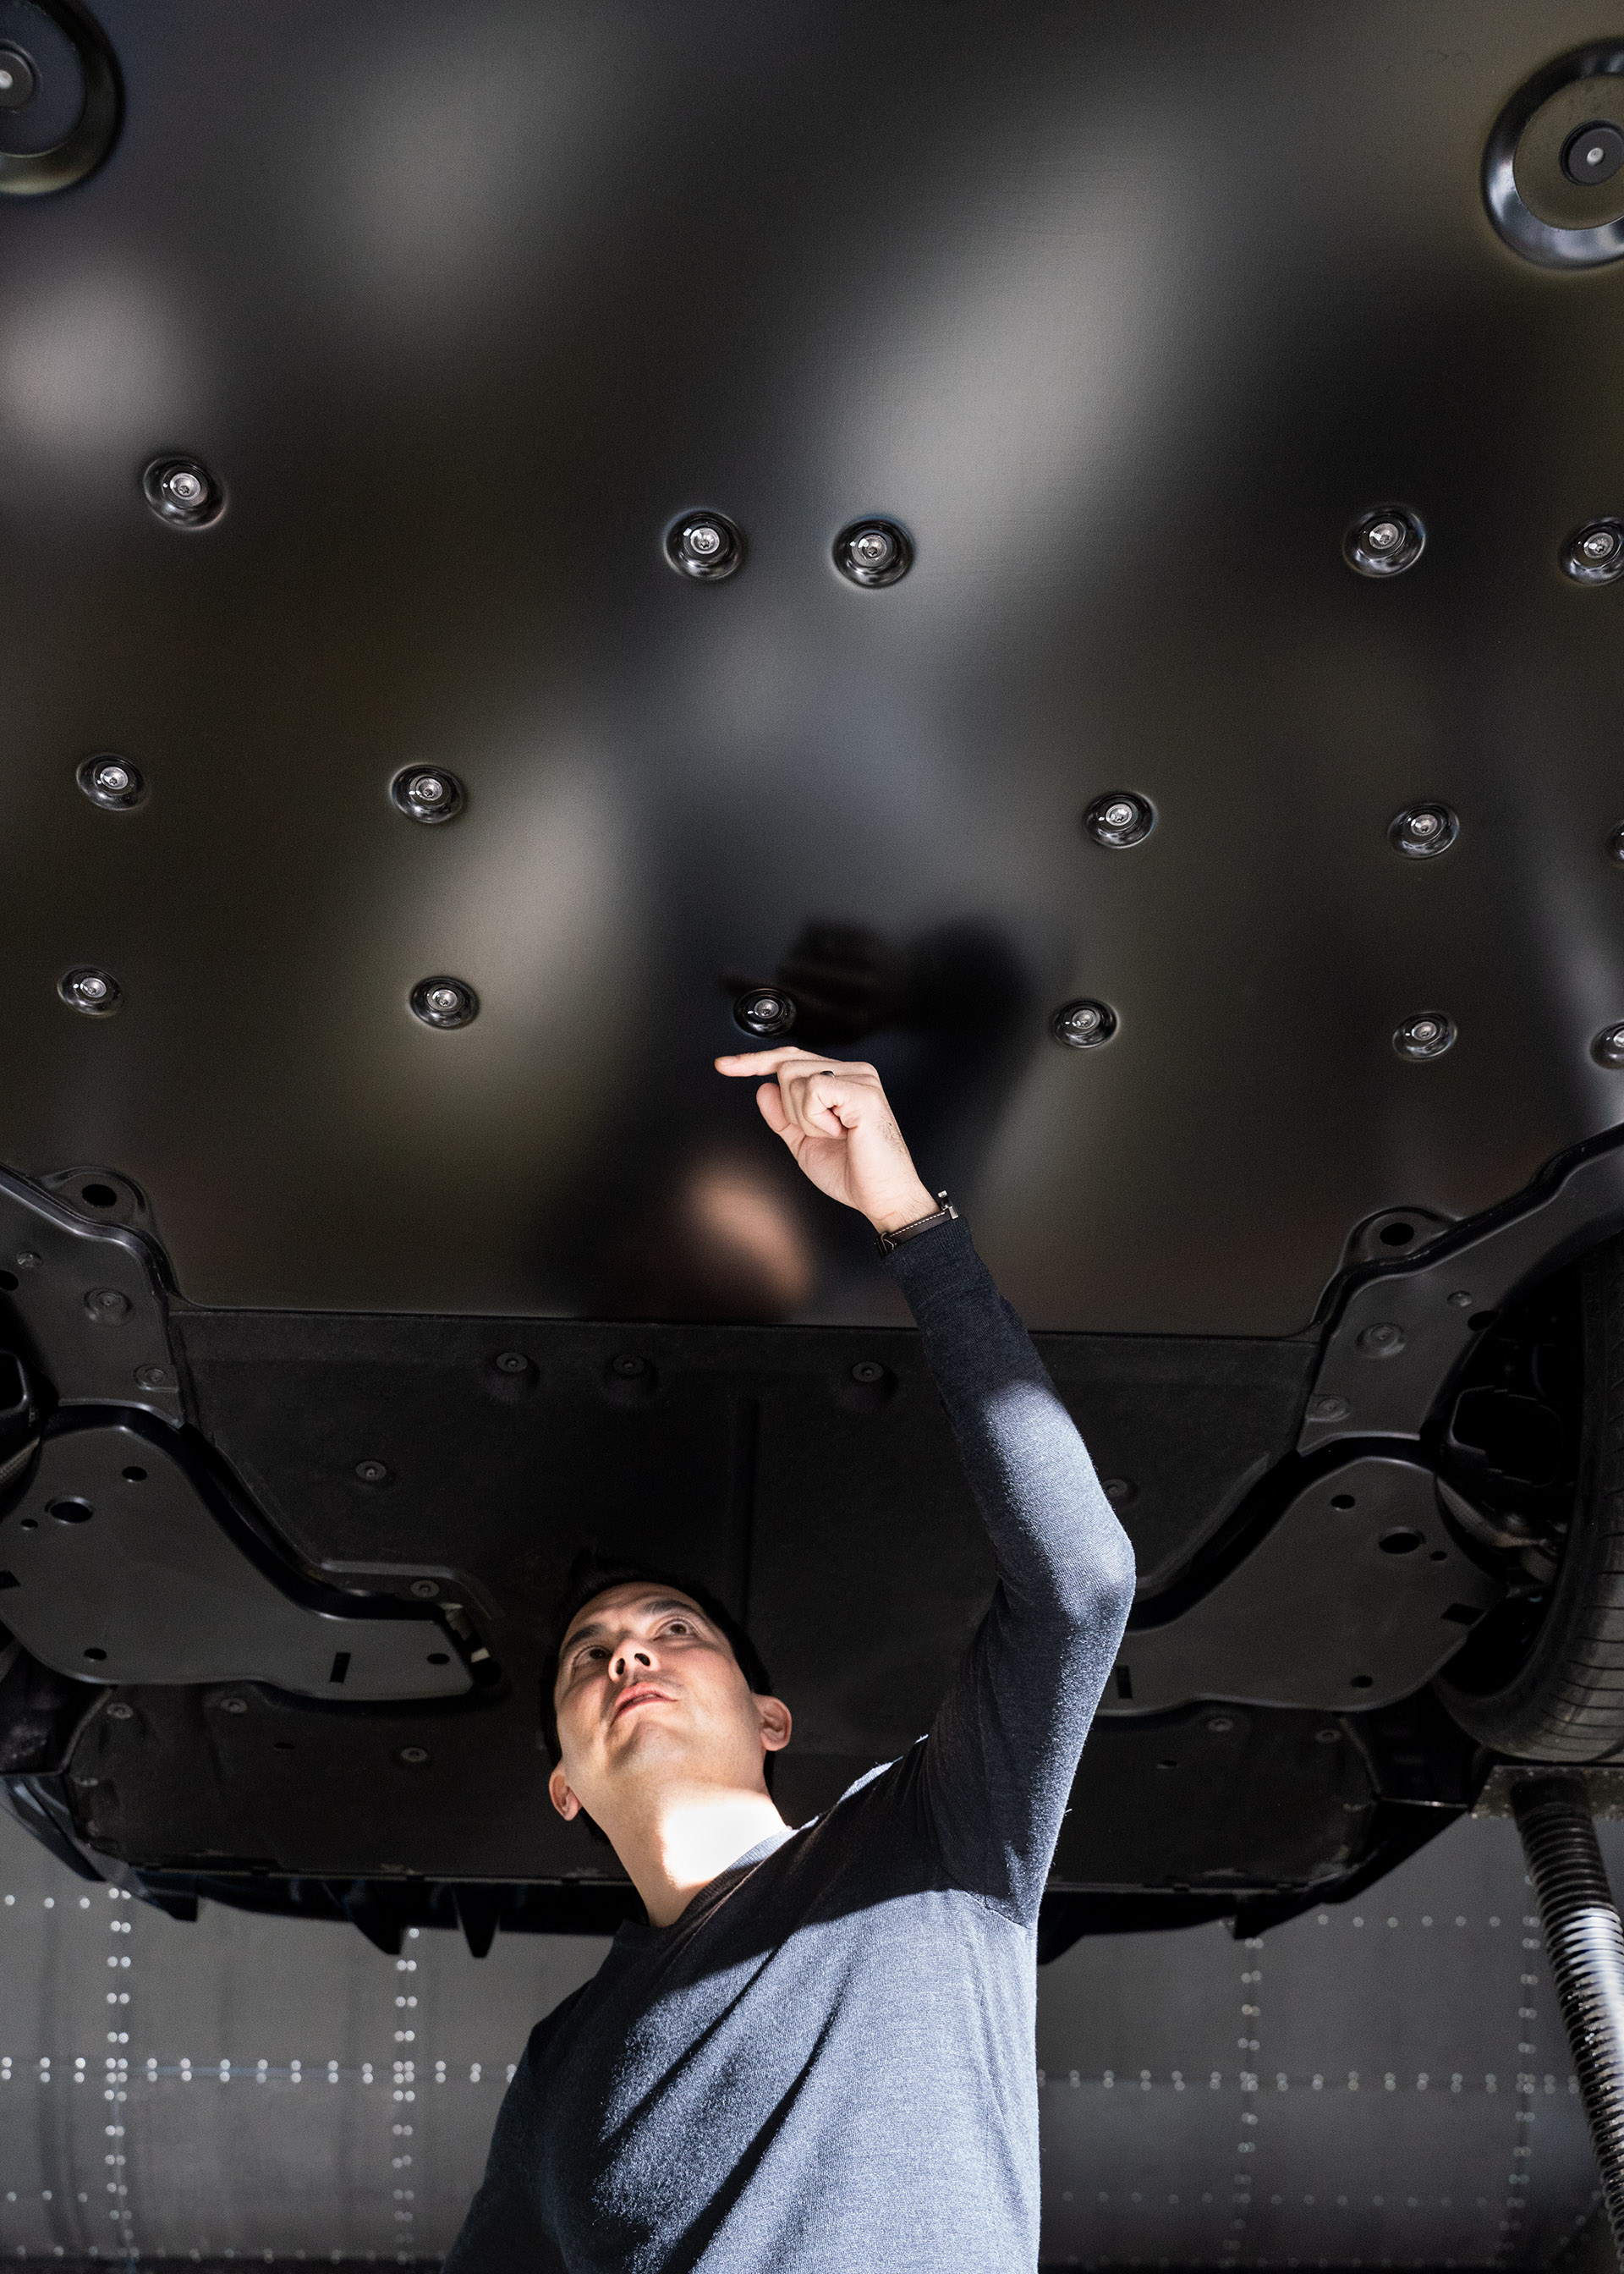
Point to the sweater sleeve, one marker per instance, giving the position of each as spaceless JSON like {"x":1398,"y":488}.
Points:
{"x":1004,"y":1748}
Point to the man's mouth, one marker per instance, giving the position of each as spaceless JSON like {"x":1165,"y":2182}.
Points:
{"x":641,"y":1693}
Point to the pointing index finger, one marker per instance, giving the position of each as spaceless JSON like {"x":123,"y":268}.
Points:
{"x":761,"y":1063}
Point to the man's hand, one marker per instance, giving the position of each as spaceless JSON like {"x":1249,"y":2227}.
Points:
{"x":836,"y":1121}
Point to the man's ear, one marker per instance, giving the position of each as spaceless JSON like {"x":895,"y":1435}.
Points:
{"x":774,"y":1716}
{"x":558,"y":1788}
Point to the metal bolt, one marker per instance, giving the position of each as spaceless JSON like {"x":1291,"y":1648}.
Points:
{"x":1608,"y":1048}
{"x":1327,"y":1736}
{"x":107,"y":1303}
{"x":1423,"y":825}
{"x":1423,"y":830}
{"x":1462,"y":1298}
{"x":512,"y":1362}
{"x":27,"y":1261}
{"x":1221,"y":1724}
{"x":1083,"y":1026}
{"x":155,"y":1377}
{"x":1328,"y":1408}
{"x":764,"y":1011}
{"x":444,"y":1002}
{"x":425,"y":1589}
{"x":1595,"y":553}
{"x":630,"y":1366}
{"x":704,"y":541}
{"x":1383,"y":536}
{"x":96,"y":993}
{"x":113,"y":778}
{"x":1118,"y":814}
{"x":708,"y":548}
{"x":371,"y":1473}
{"x":414,"y":1756}
{"x":873,"y":553}
{"x":1383,"y":1341}
{"x":1119,"y":819}
{"x":233,"y":1705}
{"x":183,"y":485}
{"x":428,"y":789}
{"x":1427,"y":1036}
{"x":1384,"y":543}
{"x":120,"y":1712}
{"x":867,"y":1369}
{"x":1117,"y":1490}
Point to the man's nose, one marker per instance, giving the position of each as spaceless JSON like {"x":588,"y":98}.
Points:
{"x":627,"y":1659}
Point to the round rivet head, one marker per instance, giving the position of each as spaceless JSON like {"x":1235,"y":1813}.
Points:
{"x":414,"y":1757}
{"x":427,"y":793}
{"x":96,"y":993}
{"x":512,"y":1362}
{"x":1593,"y":155}
{"x":111,"y":782}
{"x":373,"y":1472}
{"x":706,"y":545}
{"x":183,"y":492}
{"x":1384,"y":542}
{"x":873,"y":553}
{"x":1384,"y":1340}
{"x":18,"y":82}
{"x":155,"y":1377}
{"x":1120,"y":818}
{"x":121,"y":1713}
{"x":1084,"y":1025}
{"x":445,"y":1003}
{"x":426,"y":1589}
{"x":764,"y":1011}
{"x":1595,"y":553}
{"x":1421,"y":832}
{"x":233,"y":1705}
{"x":867,"y":1369}
{"x":108,"y":1304}
{"x":1608,"y":1048}
{"x":1427,"y":1036}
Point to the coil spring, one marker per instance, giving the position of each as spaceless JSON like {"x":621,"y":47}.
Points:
{"x":1584,"y":1944}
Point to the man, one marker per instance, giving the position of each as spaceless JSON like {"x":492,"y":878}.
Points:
{"x":818,"y":2056}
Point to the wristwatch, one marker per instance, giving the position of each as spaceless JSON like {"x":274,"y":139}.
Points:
{"x":947,"y":1214}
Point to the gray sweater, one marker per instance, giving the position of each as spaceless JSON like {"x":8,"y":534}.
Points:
{"x":827,"y":2063}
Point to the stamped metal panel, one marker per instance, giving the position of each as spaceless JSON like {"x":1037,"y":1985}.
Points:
{"x":1123,"y":315}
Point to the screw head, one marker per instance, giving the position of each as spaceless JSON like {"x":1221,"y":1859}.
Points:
{"x":1220,"y":1724}
{"x":873,"y":553}
{"x":1328,"y":1408}
{"x":119,"y":1712}
{"x":629,"y":1366}
{"x":1608,"y":1048}
{"x":512,"y":1362}
{"x":233,"y":1705}
{"x":1120,"y":818}
{"x":443,"y":1002}
{"x":95,"y":993}
{"x":111,"y":782}
{"x":1427,"y":1036}
{"x":155,"y":1377}
{"x":373,"y":1472}
{"x":426,"y":1589}
{"x":867,"y":1369}
{"x":1423,"y":832}
{"x":764,"y":1011}
{"x":1384,"y":543}
{"x":414,"y":1757}
{"x":183,"y":492}
{"x":1083,"y":1025}
{"x":1595,"y":553}
{"x":25,"y":1260}
{"x":706,"y":545}
{"x":1593,"y":155}
{"x":18,"y":81}
{"x":108,"y":1304}
{"x":1385,"y":1340}
{"x":426,"y":793}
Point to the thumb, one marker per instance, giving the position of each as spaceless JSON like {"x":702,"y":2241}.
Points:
{"x":770,"y":1100}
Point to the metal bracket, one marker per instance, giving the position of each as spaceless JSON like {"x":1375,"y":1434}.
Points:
{"x":1404,"y":1327}
{"x":91,"y":1302}
{"x":1356,"y":1598}
{"x":115,"y":1568}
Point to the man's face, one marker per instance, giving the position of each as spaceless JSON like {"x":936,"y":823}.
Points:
{"x":647,"y":1684}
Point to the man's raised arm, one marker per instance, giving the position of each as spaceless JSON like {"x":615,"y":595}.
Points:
{"x":1005,"y":1746}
